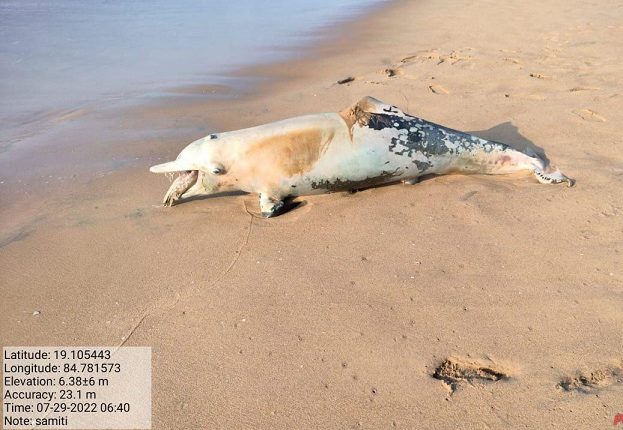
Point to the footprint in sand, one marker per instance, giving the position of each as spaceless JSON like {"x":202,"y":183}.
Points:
{"x":420,"y":56}
{"x":590,"y":380}
{"x":538,"y":97}
{"x":438,"y":89}
{"x":512,"y":60}
{"x":454,"y":371}
{"x":540,"y":76}
{"x":455,"y":57}
{"x":346,"y":80}
{"x":432,"y":54}
{"x":578,"y":89}
{"x":468,"y":196}
{"x":589,"y":115}
{"x":391,"y":72}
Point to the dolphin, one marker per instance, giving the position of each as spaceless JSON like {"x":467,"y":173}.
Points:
{"x":368,"y":144}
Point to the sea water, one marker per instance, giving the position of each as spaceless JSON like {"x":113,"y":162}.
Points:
{"x":58,"y":55}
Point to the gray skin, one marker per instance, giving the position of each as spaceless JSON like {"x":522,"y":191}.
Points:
{"x":368,"y":144}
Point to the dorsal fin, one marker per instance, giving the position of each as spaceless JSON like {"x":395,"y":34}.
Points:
{"x":361,"y":112}
{"x":371,"y":105}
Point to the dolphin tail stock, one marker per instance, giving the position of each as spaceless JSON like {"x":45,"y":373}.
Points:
{"x":499,"y":158}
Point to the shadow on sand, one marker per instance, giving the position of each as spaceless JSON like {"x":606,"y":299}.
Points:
{"x":509,"y":134}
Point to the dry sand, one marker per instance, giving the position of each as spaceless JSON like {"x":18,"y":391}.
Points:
{"x":339,"y":313}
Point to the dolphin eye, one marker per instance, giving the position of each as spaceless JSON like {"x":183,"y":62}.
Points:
{"x":216,"y":168}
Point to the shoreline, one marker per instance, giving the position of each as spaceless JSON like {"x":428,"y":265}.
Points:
{"x":60,"y":164}
{"x":380,"y":309}
{"x":94,"y":68}
{"x":238,"y":81}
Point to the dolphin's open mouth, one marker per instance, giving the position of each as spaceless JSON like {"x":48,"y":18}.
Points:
{"x":180,"y":185}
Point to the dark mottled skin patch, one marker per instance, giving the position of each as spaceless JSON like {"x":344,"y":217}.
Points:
{"x":417,"y":136}
{"x":341,"y":185}
{"x":379,"y":122}
{"x":422,"y":166}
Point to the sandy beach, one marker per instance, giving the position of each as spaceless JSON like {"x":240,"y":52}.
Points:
{"x":470,"y":302}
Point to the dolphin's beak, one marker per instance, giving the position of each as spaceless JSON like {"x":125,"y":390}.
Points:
{"x":171,"y":166}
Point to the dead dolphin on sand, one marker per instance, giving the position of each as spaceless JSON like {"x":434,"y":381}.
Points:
{"x":368,"y":144}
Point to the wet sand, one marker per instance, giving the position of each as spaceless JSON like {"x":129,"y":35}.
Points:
{"x":461,"y":302}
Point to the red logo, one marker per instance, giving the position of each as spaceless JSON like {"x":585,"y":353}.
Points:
{"x":618,"y":419}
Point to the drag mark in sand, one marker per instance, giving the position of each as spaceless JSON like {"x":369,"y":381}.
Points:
{"x":21,"y":233}
{"x":245,"y":243}
{"x":135,"y":327}
{"x":15,"y":237}
{"x":164,"y":304}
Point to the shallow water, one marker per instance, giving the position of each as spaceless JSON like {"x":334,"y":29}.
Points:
{"x":60,"y":55}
